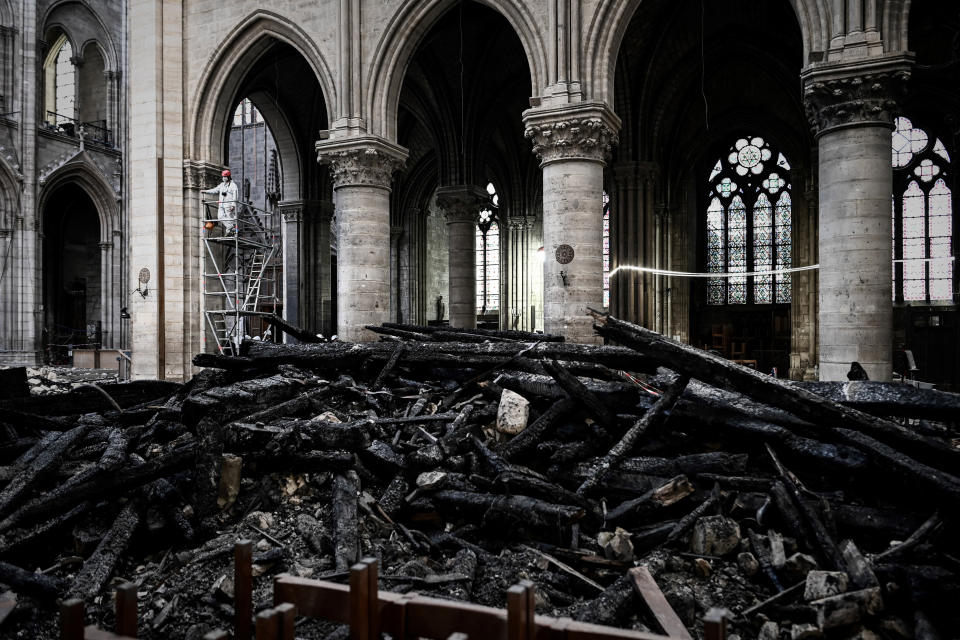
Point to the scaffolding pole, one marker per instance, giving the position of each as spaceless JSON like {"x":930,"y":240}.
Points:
{"x":242,"y":271}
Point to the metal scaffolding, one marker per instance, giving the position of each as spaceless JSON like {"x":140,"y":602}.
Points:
{"x":242,"y":273}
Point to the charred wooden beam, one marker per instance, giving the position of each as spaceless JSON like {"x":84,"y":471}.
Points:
{"x":277,"y":322}
{"x":889,"y":399}
{"x":651,"y":420}
{"x":100,"y":566}
{"x":32,"y":584}
{"x":521,"y":336}
{"x":47,"y":455}
{"x":857,"y":428}
{"x":535,"y":432}
{"x":87,"y":400}
{"x":346,"y":545}
{"x":578,"y":391}
{"x":108,"y":485}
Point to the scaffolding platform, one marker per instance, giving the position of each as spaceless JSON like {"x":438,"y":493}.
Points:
{"x":242,"y":272}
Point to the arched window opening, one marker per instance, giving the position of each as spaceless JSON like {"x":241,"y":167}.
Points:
{"x":748,"y":225}
{"x":922,"y":216}
{"x":246,"y":113}
{"x":253,"y":157}
{"x":60,"y":86}
{"x":91,"y":103}
{"x":606,"y":250}
{"x":488,"y":256}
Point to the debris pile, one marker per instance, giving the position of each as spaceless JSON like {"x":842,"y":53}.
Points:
{"x":468,"y":460}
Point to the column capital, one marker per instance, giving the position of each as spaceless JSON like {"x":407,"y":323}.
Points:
{"x":291,"y":210}
{"x":76,"y":61}
{"x":851,"y":95}
{"x":111,"y":75}
{"x":583,"y":131}
{"x":197,"y":174}
{"x":395,"y":233}
{"x":299,"y":210}
{"x":462,"y":202}
{"x":104,"y":246}
{"x":366,"y":161}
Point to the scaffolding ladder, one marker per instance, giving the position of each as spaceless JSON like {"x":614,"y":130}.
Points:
{"x":241,"y":276}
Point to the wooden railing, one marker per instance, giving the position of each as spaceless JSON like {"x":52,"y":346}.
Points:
{"x":370,"y":612}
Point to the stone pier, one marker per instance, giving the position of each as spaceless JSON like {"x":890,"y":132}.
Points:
{"x":573,"y":143}
{"x":461,"y":205}
{"x":362,"y":169}
{"x":853,"y":116}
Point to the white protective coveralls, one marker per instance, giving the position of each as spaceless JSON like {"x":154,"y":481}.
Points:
{"x":228,"y":196}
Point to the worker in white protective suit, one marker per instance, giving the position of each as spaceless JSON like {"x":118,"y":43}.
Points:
{"x":228,"y":197}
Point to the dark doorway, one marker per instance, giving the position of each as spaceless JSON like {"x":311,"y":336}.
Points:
{"x":71,"y":274}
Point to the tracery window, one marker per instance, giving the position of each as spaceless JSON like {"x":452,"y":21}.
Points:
{"x":488,"y":256}
{"x":749,"y":224}
{"x":60,"y":83}
{"x":606,"y":250}
{"x":922,"y":216}
{"x":246,"y":113}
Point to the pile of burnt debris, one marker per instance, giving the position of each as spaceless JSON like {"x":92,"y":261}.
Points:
{"x":467,"y":460}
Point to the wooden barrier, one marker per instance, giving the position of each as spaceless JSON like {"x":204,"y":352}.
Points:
{"x":71,"y":618}
{"x":370,"y":612}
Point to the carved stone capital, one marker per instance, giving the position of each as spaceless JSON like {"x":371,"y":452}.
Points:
{"x":395,"y":233}
{"x":76,"y":61}
{"x":296,"y":211}
{"x":200,"y":175}
{"x":361,"y":161}
{"x":585,"y":131}
{"x":863,"y":94}
{"x":520,"y":223}
{"x":291,"y":210}
{"x":105,"y":246}
{"x":462,"y":203}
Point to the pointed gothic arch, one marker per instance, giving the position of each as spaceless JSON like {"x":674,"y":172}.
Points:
{"x":609,"y":25}
{"x":81,"y":170}
{"x":402,"y":38}
{"x":224,"y":74}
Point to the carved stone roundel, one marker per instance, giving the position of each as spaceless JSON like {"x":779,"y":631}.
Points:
{"x":564,"y":254}
{"x":144,"y":275}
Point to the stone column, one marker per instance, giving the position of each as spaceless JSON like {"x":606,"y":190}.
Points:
{"x":461,"y":205}
{"x":396,"y":309}
{"x":292,"y":212}
{"x":851,"y":110}
{"x":321,"y":219}
{"x":112,"y":115}
{"x":362,"y":169}
{"x":573,"y":143}
{"x":107,"y":312}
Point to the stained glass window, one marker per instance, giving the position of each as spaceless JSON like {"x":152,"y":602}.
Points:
{"x":716,"y":251}
{"x":922,"y":216}
{"x":907,"y":140}
{"x":783,"y":245}
{"x":606,"y":250}
{"x":749,"y":224}
{"x":488,"y":256}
